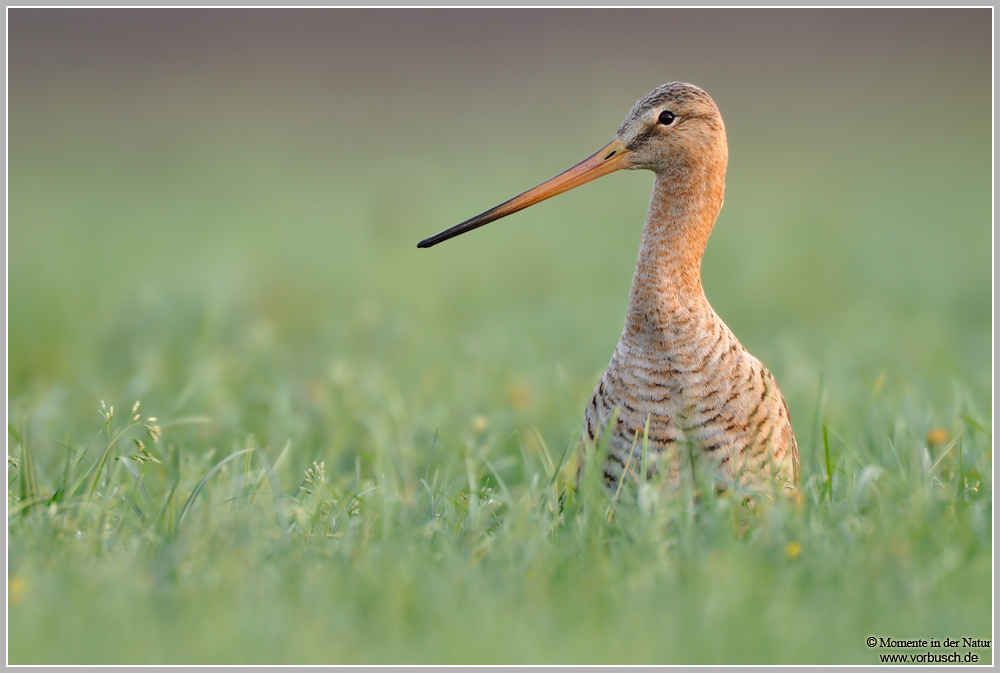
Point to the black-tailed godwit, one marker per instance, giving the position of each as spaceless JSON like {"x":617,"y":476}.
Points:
{"x":677,"y":369}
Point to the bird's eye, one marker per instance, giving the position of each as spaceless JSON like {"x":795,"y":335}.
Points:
{"x":667,"y":118}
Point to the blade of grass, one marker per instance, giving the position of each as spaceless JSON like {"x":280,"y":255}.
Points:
{"x":562,"y":462}
{"x":944,"y":452}
{"x":279,"y":511}
{"x":29,"y":485}
{"x":828,"y":484}
{"x":621,"y":482}
{"x":127,"y":462}
{"x":644,"y":464}
{"x":201,"y":484}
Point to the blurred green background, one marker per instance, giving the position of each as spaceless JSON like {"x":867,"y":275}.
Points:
{"x":217,"y":211}
{"x":283,"y":164}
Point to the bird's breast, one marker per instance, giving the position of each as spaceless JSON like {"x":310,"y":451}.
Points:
{"x":694,"y":386}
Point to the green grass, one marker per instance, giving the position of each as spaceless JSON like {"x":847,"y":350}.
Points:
{"x":357,"y":442}
{"x":413,"y":549}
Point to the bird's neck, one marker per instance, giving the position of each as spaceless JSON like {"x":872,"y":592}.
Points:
{"x":666,"y":288}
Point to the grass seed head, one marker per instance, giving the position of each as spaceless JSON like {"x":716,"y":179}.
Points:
{"x":154,"y":432}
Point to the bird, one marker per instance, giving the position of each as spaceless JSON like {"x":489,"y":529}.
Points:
{"x":681,"y":393}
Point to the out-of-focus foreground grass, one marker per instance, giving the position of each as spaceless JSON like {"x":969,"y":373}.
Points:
{"x":229,"y":237}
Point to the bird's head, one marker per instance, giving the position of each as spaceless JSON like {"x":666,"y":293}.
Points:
{"x":674,"y":128}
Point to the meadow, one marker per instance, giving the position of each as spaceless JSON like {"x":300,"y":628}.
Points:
{"x":249,"y":422}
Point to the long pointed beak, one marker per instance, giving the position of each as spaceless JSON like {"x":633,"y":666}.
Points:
{"x":608,"y":159}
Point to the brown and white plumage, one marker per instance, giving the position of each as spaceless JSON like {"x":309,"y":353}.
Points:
{"x":677,"y":367}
